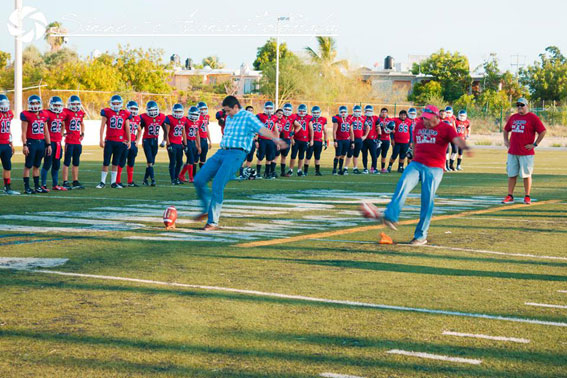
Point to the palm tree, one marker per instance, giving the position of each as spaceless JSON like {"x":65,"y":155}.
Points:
{"x":213,"y":62}
{"x":327,"y":53}
{"x":55,"y":42}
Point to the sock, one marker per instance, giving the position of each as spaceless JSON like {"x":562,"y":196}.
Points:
{"x":113,"y":175}
{"x":118,"y":174}
{"x":283,"y":168}
{"x":511,"y":195}
{"x":258,"y":169}
{"x":451,"y":163}
{"x":305,"y":168}
{"x":190,"y":171}
{"x":183,"y":171}
{"x":268,"y":167}
{"x":201,"y":165}
{"x":103,"y":176}
{"x":26,"y":182}
{"x":527,"y":195}
{"x":43,"y":176}
{"x":383,"y":165}
{"x":194,"y":169}
{"x":147,"y":174}
{"x":341,"y":161}
{"x":390,"y":165}
{"x":36,"y":181}
{"x":273,"y":164}
{"x":130,"y":172}
{"x":459,"y":160}
{"x":151,"y":169}
{"x":335,"y":162}
{"x":400,"y":166}
{"x":55,"y":177}
{"x":241,"y":171}
{"x":6,"y":181}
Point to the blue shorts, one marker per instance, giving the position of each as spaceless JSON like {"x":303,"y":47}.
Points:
{"x":72,"y":152}
{"x":36,"y":153}
{"x":299,"y":147}
{"x":6,"y":156}
{"x":343,"y":147}
{"x":191,"y":152}
{"x":114,"y":150}
{"x":357,"y":147}
{"x":129,"y":155}
{"x":315,"y":150}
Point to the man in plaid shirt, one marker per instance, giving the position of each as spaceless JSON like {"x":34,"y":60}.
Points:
{"x":239,"y":131}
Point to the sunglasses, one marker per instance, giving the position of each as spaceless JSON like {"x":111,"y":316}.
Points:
{"x":520,"y":105}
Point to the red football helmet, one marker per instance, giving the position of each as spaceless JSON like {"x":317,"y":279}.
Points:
{"x":169,"y":217}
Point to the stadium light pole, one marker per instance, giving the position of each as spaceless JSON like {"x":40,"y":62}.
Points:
{"x":18,"y":61}
{"x":278,"y":59}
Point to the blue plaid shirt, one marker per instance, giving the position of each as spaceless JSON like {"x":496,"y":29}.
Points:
{"x":240,"y":129}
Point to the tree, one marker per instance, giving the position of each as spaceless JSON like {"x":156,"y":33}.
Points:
{"x":142,"y":70}
{"x":294,"y":75}
{"x":326,"y":54}
{"x":213,"y":62}
{"x":267,"y":53}
{"x":492,"y":76}
{"x":5,"y":58}
{"x":55,"y":42}
{"x":451,"y":70}
{"x":424,"y":91}
{"x":547,"y":79}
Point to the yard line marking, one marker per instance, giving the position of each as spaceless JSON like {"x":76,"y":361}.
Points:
{"x":263,"y":243}
{"x":544,"y":305}
{"x":435,"y":356}
{"x":27,"y":263}
{"x":335,"y":375}
{"x":555,"y":221}
{"x":309,"y":299}
{"x":18,"y":242}
{"x":480,"y":336}
{"x":562,"y":291}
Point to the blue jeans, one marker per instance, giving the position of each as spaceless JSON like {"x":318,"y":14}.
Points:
{"x":430,"y":179}
{"x":220,"y":168}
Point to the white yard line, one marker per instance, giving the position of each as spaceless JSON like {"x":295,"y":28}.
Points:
{"x":555,"y":221}
{"x":562,"y":291}
{"x":335,"y":375}
{"x":545,"y":305}
{"x":479,"y":336}
{"x":310,"y":299}
{"x":435,"y":356}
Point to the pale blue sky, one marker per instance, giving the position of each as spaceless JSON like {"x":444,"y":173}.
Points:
{"x":367,"y":31}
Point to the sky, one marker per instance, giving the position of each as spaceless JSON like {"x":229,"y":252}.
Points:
{"x":367,"y":31}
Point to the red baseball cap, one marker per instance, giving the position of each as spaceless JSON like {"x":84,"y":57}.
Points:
{"x":429,"y":111}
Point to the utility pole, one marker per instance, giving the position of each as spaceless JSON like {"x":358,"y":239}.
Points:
{"x":278,"y":59}
{"x":18,"y":61}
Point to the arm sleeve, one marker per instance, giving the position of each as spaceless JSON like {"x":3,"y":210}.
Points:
{"x":102,"y":113}
{"x":23,"y":117}
{"x":539,"y":127}
{"x":166,"y":121}
{"x":335,"y":120}
{"x":452,"y":133}
{"x":508,"y":126}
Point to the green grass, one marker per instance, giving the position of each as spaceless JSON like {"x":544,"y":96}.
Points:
{"x":71,"y":326}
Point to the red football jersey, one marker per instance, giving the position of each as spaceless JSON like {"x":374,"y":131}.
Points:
{"x":286,"y":127}
{"x":203,"y":134}
{"x":318,"y":126}
{"x":176,"y":126}
{"x":5,"y":123}
{"x":430,"y":145}
{"x":55,"y":124}
{"x":192,"y":129}
{"x":270,"y":122}
{"x":151,"y":125}
{"x":357,"y":126}
{"x":134,"y":127}
{"x":115,"y":130}
{"x":402,"y":132}
{"x":36,"y":124}
{"x":523,"y":129}
{"x":73,"y":121}
{"x":462,"y":128}
{"x":343,"y":130}
{"x":452,"y":120}
{"x":383,"y":122}
{"x":371,"y":123}
{"x":221,"y":118}
{"x":302,"y":134}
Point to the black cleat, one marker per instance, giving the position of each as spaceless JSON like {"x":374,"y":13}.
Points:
{"x":153,"y":183}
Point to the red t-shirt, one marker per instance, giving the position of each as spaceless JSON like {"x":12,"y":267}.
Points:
{"x":430,"y":145}
{"x":203,"y":134}
{"x":151,"y":125}
{"x":383,"y":122}
{"x":522,"y":130}
{"x":286,"y":126}
{"x":270,"y":122}
{"x":302,"y":134}
{"x":451,"y":119}
{"x":462,"y":127}
{"x":318,"y":126}
{"x":370,"y":123}
{"x":36,"y":123}
{"x":5,"y":122}
{"x":343,"y":128}
{"x":176,"y":126}
{"x":357,"y":126}
{"x":402,"y":130}
{"x":115,"y":130}
{"x":73,"y":121}
{"x":55,"y":126}
{"x":192,"y":129}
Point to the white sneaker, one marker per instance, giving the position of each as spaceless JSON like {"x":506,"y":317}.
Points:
{"x":459,"y":168}
{"x":418,"y":242}
{"x":101,"y":185}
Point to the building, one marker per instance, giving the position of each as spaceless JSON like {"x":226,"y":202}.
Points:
{"x":239,"y":82}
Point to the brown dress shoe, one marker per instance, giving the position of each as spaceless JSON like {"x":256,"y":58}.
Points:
{"x":210,"y":227}
{"x":201,"y":217}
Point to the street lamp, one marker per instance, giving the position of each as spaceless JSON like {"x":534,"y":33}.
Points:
{"x":278,"y":59}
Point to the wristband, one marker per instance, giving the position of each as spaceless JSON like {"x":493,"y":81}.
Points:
{"x":535,"y":144}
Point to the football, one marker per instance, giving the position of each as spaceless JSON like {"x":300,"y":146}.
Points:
{"x":369,"y":211}
{"x":169,"y":217}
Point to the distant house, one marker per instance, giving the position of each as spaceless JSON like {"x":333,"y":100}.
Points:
{"x":243,"y":81}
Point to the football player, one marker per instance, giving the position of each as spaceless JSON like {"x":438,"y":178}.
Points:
{"x":55,"y":125}
{"x":221,"y":119}
{"x":384,"y":120}
{"x":319,"y":140}
{"x":357,"y":124}
{"x":452,"y":153}
{"x":36,"y":142}
{"x":204,"y":134}
{"x":343,"y":137}
{"x":6,"y":145}
{"x":301,"y":136}
{"x":176,"y":141}
{"x":116,"y":122}
{"x":286,"y":133}
{"x":193,"y":147}
{"x":400,"y":141}
{"x":74,"y":133}
{"x":266,"y":147}
{"x":412,"y":116}
{"x":464,"y":131}
{"x":151,"y":122}
{"x":372,"y":142}
{"x":129,"y":156}
{"x":255,"y":144}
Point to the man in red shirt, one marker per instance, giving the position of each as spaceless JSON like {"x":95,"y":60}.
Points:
{"x":401,"y":141}
{"x":523,"y":126}
{"x":74,"y":133}
{"x":431,"y":138}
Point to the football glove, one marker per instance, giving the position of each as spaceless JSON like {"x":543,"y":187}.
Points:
{"x":170,"y":148}
{"x":162,"y":144}
{"x":409,"y":154}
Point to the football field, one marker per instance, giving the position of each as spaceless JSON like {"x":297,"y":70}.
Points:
{"x":294,"y":284}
